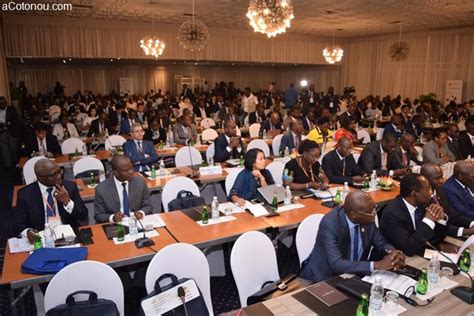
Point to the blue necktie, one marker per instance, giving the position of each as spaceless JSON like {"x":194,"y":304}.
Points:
{"x":126,"y":208}
{"x":50,"y":207}
{"x":355,"y":243}
{"x":418,"y":217}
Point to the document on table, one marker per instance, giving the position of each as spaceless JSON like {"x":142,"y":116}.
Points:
{"x":18,"y":245}
{"x":392,"y":281}
{"x":60,"y":231}
{"x":226,"y":205}
{"x":151,"y":219}
{"x":256,"y":209}
{"x":327,"y":194}
{"x":453,"y":256}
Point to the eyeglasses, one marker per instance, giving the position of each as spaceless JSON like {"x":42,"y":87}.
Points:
{"x":372,"y":210}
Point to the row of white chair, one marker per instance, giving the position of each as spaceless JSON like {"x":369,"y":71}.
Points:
{"x":250,"y":272}
{"x":73,"y":144}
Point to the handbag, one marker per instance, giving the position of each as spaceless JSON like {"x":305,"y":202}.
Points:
{"x":185,"y":199}
{"x":51,"y":260}
{"x":91,"y":307}
{"x":154,"y":303}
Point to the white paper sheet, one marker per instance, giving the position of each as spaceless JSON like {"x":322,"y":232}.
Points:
{"x":18,"y":245}
{"x":455,"y":257}
{"x":151,"y":219}
{"x":328,"y":194}
{"x":285,"y":208}
{"x":256,"y":209}
{"x":392,"y":281}
{"x":234,"y":207}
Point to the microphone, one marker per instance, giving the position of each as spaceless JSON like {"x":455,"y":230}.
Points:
{"x":182,"y":296}
{"x":464,"y":293}
{"x":143,"y":241}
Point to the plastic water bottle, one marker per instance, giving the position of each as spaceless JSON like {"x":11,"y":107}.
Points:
{"x":210,"y":161}
{"x":376,"y":295}
{"x":373,"y":180}
{"x":345,"y":191}
{"x":132,"y":228}
{"x":287,"y":200}
{"x":84,"y":150}
{"x":215,"y":208}
{"x":287,"y":152}
{"x":48,"y":236}
{"x":264,"y":134}
{"x":162,"y":168}
{"x":433,"y":271}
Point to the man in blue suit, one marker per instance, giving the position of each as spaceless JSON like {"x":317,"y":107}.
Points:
{"x":140,"y":152}
{"x":395,"y":127}
{"x":460,"y":188}
{"x":228,"y":145}
{"x":347,"y":239}
{"x":292,"y":139}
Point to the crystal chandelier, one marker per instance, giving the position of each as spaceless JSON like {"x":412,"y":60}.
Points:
{"x":270,"y":17}
{"x":193,"y":35}
{"x":399,"y":50}
{"x":333,"y":53}
{"x":152,"y":45}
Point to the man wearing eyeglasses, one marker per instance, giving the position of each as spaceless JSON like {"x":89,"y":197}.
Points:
{"x":412,"y":219}
{"x":140,"y":152}
{"x":349,"y":242}
{"x":47,"y":200}
{"x":404,"y":154}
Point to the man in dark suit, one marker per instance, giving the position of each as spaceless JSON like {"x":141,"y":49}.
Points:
{"x":273,"y":123}
{"x":42,"y":143}
{"x":228,"y":145}
{"x":453,"y":140}
{"x":201,"y":110}
{"x":155,"y":133}
{"x":116,"y":117}
{"x":49,"y":198}
{"x":460,"y":188}
{"x":140,"y":152}
{"x":403,"y":154}
{"x":351,"y":113}
{"x":100,"y":126}
{"x":375,"y":156}
{"x":121,"y":195}
{"x":228,"y":112}
{"x":395,"y":127}
{"x":407,"y":223}
{"x":292,"y":139}
{"x":413,"y":126}
{"x":339,"y":165}
{"x":344,"y":241}
{"x":331,"y":101}
{"x":466,"y":139}
{"x":459,"y":225}
{"x":308,"y":121}
{"x":258,"y":116}
{"x":187,"y":93}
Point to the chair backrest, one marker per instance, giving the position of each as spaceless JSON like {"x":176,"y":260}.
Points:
{"x":362,"y":133}
{"x":172,"y":187}
{"x":209,"y":134}
{"x":210,"y":151}
{"x":276,"y":144}
{"x":254,"y":130}
{"x":379,"y":134}
{"x":29,"y":169}
{"x":86,"y":164}
{"x":114,"y":140}
{"x":185,"y":154}
{"x":276,"y":169}
{"x":232,"y":174}
{"x":207,"y":122}
{"x":72,"y":144}
{"x":306,"y":236}
{"x":85,"y":275}
{"x":251,"y":271}
{"x":184,"y":261}
{"x":260,"y":144}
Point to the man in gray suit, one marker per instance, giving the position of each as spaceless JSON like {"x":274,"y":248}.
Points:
{"x":122,"y":194}
{"x":184,"y":131}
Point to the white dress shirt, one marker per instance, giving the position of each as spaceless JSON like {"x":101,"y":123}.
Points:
{"x":239,"y":148}
{"x":42,"y":147}
{"x":412,"y":209}
{"x":119,"y":187}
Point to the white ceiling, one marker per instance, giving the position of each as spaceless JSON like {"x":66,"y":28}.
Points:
{"x":314,"y":17}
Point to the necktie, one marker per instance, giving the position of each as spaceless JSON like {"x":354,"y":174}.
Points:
{"x":355,"y":243}
{"x":405,"y":159}
{"x":126,"y":208}
{"x":139,"y":146}
{"x":418,"y":217}
{"x":43,"y":147}
{"x":50,"y":207}
{"x":343,"y":166}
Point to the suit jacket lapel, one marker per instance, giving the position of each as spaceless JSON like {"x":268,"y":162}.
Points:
{"x":345,"y":241}
{"x":114,"y":194}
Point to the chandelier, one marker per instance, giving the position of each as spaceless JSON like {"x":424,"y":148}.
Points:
{"x":270,"y":17}
{"x":399,"y":50}
{"x":193,"y":35}
{"x":333,"y":53}
{"x":152,"y":45}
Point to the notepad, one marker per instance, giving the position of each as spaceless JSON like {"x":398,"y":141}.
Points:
{"x":18,"y":245}
{"x":326,"y":293}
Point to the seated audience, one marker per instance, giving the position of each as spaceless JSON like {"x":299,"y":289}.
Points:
{"x":128,"y":121}
{"x":47,"y":200}
{"x":340,"y":166}
{"x":122,"y":195}
{"x":91,"y":116}
{"x":155,"y":133}
{"x":41,"y":143}
{"x":305,"y":171}
{"x":228,"y":145}
{"x":351,"y":112}
{"x":64,"y":129}
{"x":460,"y":188}
{"x":411,"y":220}
{"x":100,"y":126}
{"x":453,"y":140}
{"x":184,"y":131}
{"x":347,"y":130}
{"x":437,"y":150}
{"x":466,"y":139}
{"x":321,"y":133}
{"x":308,"y":121}
{"x":272,"y":124}
{"x":349,"y":242}
{"x":257,"y":116}
{"x":140,"y":152}
{"x":292,"y":139}
{"x":395,"y":127}
{"x":253,"y":176}
{"x":404,"y":154}
{"x":375,"y":156}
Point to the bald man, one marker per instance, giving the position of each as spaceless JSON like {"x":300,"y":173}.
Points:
{"x":122,"y":195}
{"x":339,"y":165}
{"x":50,"y":199}
{"x":460,"y":188}
{"x":344,"y":241}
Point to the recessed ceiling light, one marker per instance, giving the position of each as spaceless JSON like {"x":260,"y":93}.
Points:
{"x":64,"y":61}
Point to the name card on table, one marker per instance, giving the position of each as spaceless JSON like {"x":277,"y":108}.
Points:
{"x":211,"y":170}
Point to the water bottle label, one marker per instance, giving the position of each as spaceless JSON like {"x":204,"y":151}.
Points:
{"x":375,"y":304}
{"x":433,"y":278}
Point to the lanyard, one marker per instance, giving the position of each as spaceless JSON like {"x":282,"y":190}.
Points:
{"x":298,"y":160}
{"x":51,"y":207}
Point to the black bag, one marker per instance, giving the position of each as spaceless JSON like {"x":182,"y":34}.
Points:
{"x":185,"y":199}
{"x":91,"y":307}
{"x":267,"y":289}
{"x":195,"y":307}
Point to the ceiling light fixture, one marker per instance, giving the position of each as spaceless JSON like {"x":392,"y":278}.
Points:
{"x":399,"y":50}
{"x":270,"y":17}
{"x":152,"y":45}
{"x":333,"y":53}
{"x":193,"y":35}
